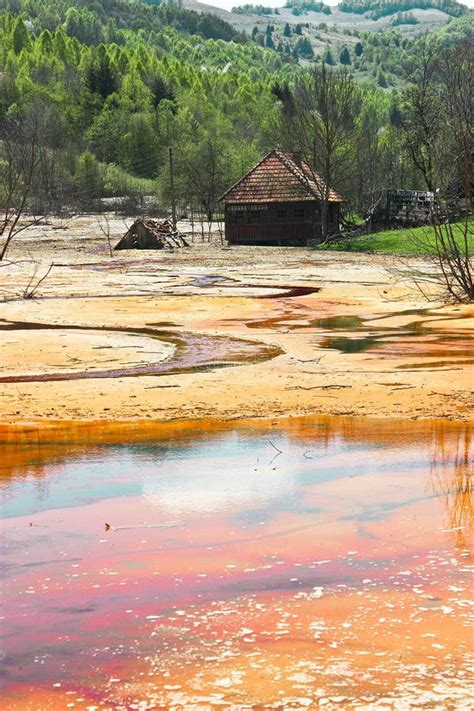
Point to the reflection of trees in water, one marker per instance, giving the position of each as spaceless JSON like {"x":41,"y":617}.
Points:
{"x":451,"y":477}
{"x":31,"y":460}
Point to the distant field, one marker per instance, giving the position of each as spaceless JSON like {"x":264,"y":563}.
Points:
{"x":418,"y":240}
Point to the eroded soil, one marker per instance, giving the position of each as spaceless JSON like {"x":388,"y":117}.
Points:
{"x":220,"y":332}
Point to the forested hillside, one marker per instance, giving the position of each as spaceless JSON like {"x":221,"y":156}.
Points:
{"x":101,"y":90}
{"x":365,"y":36}
{"x":379,"y":8}
{"x":104,"y":20}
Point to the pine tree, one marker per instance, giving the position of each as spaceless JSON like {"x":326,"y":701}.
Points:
{"x":287,"y":30}
{"x":21,"y":36}
{"x":269,"y":42}
{"x":305,"y":48}
{"x":358,"y":49}
{"x":62,"y":45}
{"x":381,"y":80}
{"x":45,"y":43}
{"x":395,"y":116}
{"x":345,"y":57}
{"x":101,"y":77}
{"x":328,"y":58}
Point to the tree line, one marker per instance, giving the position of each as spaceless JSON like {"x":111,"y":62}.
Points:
{"x":381,"y":8}
{"x":97,"y":120}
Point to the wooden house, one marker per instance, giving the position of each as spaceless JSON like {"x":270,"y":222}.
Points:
{"x":278,"y":202}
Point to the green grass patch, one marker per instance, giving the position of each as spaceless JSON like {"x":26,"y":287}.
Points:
{"x":415,"y":240}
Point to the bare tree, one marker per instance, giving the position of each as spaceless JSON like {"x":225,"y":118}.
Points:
{"x":422,"y":118}
{"x":319,"y":123}
{"x":104,"y":226}
{"x":457,"y":91}
{"x":20,"y":156}
{"x":447,"y":269}
{"x":453,"y":245}
{"x":35,"y":281}
{"x":206,"y":177}
{"x":438,"y":123}
{"x":454,"y":242}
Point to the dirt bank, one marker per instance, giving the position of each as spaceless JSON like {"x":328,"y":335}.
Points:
{"x":216,"y":332}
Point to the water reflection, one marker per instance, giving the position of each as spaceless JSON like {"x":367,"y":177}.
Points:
{"x":225,"y":564}
{"x":451,"y":478}
{"x":201,"y":470}
{"x":206,"y":486}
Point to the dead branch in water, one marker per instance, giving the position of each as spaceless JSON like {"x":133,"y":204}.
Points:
{"x":280,"y":451}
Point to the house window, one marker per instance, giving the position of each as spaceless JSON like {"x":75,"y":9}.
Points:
{"x":247,"y":214}
{"x":299,"y":214}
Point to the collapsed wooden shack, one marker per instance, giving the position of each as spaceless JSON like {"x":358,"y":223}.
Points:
{"x":400,"y":208}
{"x":150,"y":234}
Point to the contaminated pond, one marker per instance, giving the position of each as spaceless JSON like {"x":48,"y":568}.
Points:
{"x":302,"y":563}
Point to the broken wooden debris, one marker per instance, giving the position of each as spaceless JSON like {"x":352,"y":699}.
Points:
{"x":401,"y":208}
{"x":150,"y":234}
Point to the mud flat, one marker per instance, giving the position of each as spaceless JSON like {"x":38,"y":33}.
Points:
{"x":279,"y":332}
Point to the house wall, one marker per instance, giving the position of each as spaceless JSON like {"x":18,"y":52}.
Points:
{"x":270,"y":224}
{"x":292,"y":224}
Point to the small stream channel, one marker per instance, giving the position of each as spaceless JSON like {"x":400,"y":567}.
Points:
{"x":192,"y":352}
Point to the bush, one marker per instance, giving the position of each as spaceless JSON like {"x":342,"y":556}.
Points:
{"x":88,"y":177}
{"x":119,"y":183}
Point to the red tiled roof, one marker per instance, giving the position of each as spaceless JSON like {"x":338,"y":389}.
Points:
{"x":279,"y":178}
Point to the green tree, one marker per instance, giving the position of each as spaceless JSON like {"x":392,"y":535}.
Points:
{"x":21,"y":36}
{"x":305,"y":48}
{"x":88,"y":176}
{"x":140,"y":147}
{"x":105,"y":134}
{"x":381,"y":79}
{"x":102,"y":78}
{"x":328,"y":58}
{"x":345,"y":57}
